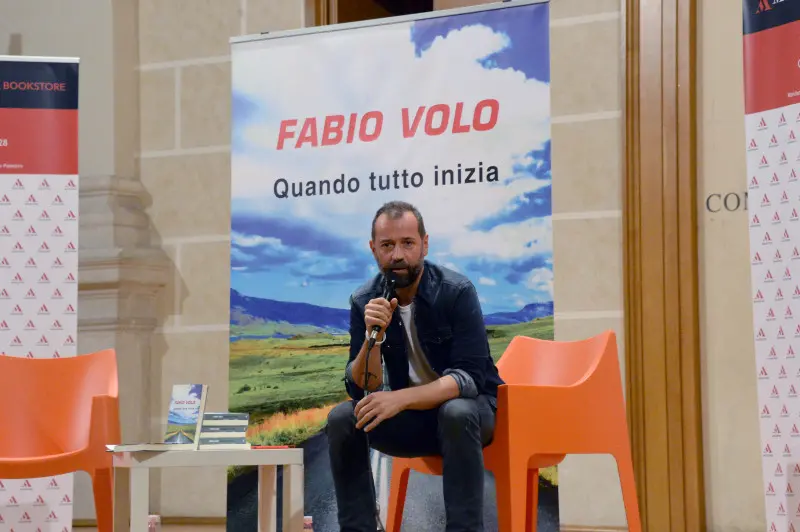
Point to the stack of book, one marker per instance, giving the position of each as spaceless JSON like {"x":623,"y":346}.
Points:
{"x":224,"y":430}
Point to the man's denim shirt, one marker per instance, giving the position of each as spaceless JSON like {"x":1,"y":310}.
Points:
{"x":450,"y":328}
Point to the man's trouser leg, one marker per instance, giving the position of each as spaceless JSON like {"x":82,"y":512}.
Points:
{"x":457,"y":430}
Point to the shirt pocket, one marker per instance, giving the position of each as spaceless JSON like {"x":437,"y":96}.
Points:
{"x":438,"y":335}
{"x":437,"y":342}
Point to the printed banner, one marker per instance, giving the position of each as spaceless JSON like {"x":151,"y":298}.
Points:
{"x":772,"y":121}
{"x":450,"y":112}
{"x":38,"y":249}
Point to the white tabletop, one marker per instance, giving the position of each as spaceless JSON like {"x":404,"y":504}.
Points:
{"x":133,"y":516}
{"x":208,"y":458}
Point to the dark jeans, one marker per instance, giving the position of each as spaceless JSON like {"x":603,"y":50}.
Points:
{"x":457,"y":430}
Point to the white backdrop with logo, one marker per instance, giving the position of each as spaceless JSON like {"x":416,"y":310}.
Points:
{"x":38,"y":250}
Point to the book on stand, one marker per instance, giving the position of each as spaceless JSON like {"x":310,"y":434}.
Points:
{"x":185,"y":416}
{"x":184,"y":420}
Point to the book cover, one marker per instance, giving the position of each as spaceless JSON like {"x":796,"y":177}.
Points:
{"x":185,"y":414}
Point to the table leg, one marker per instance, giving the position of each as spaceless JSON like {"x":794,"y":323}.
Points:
{"x":267,"y":499}
{"x":293,"y":511}
{"x":140,"y":498}
{"x":122,"y":499}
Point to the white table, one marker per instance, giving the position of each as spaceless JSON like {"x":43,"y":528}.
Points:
{"x":139,"y":464}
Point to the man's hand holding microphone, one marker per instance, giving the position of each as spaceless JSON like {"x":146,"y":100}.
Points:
{"x":378,"y":313}
{"x":376,"y":406}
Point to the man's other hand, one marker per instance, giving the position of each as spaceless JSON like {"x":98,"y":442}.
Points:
{"x":376,"y":408}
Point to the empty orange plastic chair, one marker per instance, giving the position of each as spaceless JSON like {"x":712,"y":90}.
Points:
{"x":56,"y":416}
{"x":559,"y":398}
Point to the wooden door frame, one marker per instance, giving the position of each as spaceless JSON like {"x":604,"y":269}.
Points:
{"x":662,"y":329}
{"x":324,"y":12}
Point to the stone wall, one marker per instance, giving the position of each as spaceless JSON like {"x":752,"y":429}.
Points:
{"x":184,"y":79}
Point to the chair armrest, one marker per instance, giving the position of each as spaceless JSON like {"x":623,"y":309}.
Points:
{"x":523,"y":392}
{"x":546,"y":403}
{"x":550,"y":406}
{"x":104,"y":423}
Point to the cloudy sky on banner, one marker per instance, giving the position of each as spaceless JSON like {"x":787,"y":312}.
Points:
{"x":499,"y":234}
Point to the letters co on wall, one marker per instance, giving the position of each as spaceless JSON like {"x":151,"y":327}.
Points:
{"x":772,"y":125}
{"x":726,"y":202}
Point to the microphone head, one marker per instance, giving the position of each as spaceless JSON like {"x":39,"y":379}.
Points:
{"x":389,"y":280}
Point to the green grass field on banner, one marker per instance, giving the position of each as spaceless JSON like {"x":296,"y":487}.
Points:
{"x":288,"y":385}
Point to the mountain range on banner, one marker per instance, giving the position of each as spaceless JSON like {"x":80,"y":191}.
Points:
{"x":253,"y":316}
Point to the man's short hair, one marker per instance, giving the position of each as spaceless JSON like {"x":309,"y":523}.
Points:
{"x":394,"y":210}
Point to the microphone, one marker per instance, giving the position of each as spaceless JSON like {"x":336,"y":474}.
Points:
{"x":388,"y":290}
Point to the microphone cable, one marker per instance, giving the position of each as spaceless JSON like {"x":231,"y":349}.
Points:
{"x":387,"y":294}
{"x":380,"y":528}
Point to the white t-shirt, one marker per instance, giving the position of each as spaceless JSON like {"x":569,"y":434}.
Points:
{"x":419,"y":369}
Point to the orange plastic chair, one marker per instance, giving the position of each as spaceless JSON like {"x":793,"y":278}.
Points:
{"x":559,"y":398}
{"x":57,"y":416}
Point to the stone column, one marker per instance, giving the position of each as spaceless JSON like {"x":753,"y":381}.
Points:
{"x":119,"y":279}
{"x":121,"y":273}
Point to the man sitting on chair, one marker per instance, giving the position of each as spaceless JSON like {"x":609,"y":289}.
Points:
{"x":438,"y":395}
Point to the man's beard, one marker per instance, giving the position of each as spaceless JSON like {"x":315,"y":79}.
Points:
{"x":406,"y":278}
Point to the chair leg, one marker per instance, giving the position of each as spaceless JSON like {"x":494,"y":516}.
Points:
{"x":103,"y":488}
{"x":511,"y":484}
{"x":628,"y":484}
{"x":397,"y":495}
{"x":532,"y":511}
